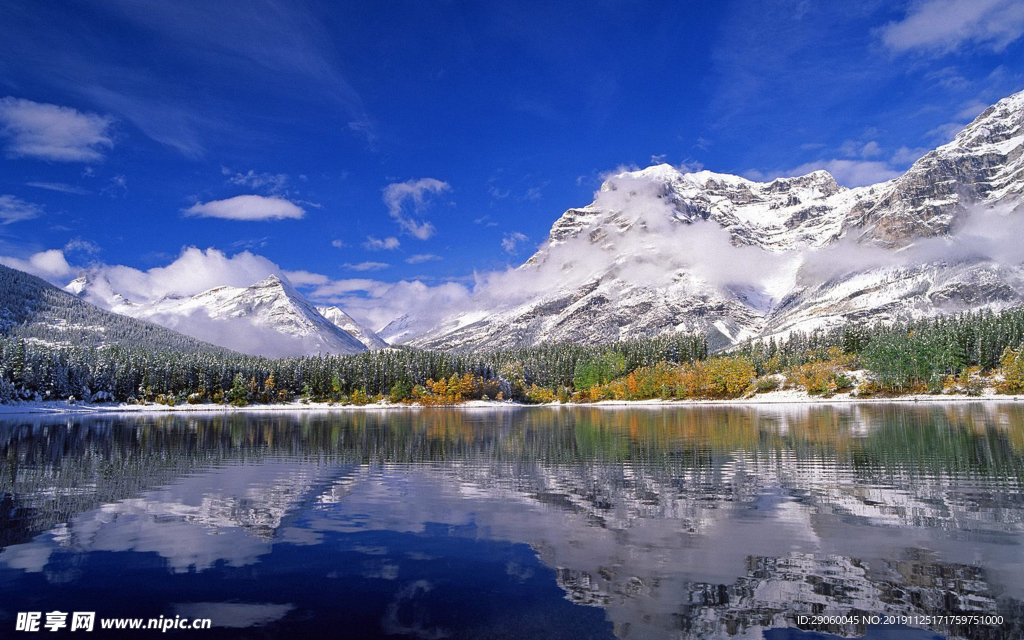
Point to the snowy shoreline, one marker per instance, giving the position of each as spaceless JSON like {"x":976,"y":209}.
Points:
{"x":787,"y":397}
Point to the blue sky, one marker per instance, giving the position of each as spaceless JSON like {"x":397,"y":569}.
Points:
{"x":357,"y":145}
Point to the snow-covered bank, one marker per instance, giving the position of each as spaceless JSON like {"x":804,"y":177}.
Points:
{"x":772,"y":398}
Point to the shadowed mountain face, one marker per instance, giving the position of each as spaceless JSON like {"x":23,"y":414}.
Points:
{"x":660,"y":251}
{"x":681,"y":523}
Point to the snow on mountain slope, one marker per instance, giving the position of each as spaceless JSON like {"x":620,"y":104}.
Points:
{"x":661,"y":251}
{"x":269,"y":318}
{"x":36,"y":311}
{"x":348,"y":324}
{"x":398,"y":331}
{"x":983,"y":165}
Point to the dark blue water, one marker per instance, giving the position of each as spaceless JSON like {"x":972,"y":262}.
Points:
{"x":530,"y":523}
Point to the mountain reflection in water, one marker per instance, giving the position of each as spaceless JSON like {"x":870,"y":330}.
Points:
{"x":690,"y":522}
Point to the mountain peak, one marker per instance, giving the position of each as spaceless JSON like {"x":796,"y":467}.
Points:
{"x":272,"y":281}
{"x":619,"y":270}
{"x":349,"y":325}
{"x":999,"y":129}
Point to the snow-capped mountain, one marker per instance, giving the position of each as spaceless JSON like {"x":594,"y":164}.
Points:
{"x":349,"y":325}
{"x":36,"y":311}
{"x":397,"y":331}
{"x":660,"y":250}
{"x":269,"y":318}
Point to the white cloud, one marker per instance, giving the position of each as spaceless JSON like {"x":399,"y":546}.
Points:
{"x":510,"y":243}
{"x":854,"y":149}
{"x":367,"y":266}
{"x":946,"y":132}
{"x":303,"y":278}
{"x":533,"y":193}
{"x":418,"y":192}
{"x":849,"y":173}
{"x":338,"y":243}
{"x":84,"y":246}
{"x":944,"y":26}
{"x":59,"y":187}
{"x":271,"y":182}
{"x":907,"y":155}
{"x":194,"y":271}
{"x":852,"y":173}
{"x":704,"y":250}
{"x":118,"y":186}
{"x":497,"y":193}
{"x":420,"y":258}
{"x":247,"y":208}
{"x":377,"y":244}
{"x":49,"y":265}
{"x":52,"y":132}
{"x":376,"y":303}
{"x":972,"y":110}
{"x":13,"y":209}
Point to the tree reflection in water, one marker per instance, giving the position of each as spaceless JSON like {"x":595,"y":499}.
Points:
{"x":686,"y":522}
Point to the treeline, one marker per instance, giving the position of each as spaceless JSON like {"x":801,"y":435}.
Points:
{"x":951,"y":353}
{"x":31,"y":369}
{"x":917,"y":355}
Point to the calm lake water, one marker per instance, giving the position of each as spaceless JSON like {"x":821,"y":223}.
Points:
{"x":694,"y":522}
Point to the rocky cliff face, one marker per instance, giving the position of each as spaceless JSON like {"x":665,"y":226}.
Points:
{"x":661,"y":251}
{"x":981,"y":166}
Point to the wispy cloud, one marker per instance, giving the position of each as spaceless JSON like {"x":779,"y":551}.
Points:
{"x":247,"y":208}
{"x":273,"y":48}
{"x":53,"y":132}
{"x":303,"y":278}
{"x":510,"y":243}
{"x":59,"y":187}
{"x":533,"y":193}
{"x":118,"y":186}
{"x":273,"y":183}
{"x":946,"y":131}
{"x":82,"y":246}
{"x":286,"y":39}
{"x":366,"y":266}
{"x":14,"y":209}
{"x":866,"y":162}
{"x":851,"y":173}
{"x":378,"y":244}
{"x":416,"y":192}
{"x":908,"y":155}
{"x":420,"y":258}
{"x":852,"y":148}
{"x":156,"y":111}
{"x":249,"y":244}
{"x":944,"y":26}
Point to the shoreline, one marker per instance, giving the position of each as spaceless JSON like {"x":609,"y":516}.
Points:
{"x":774,"y":398}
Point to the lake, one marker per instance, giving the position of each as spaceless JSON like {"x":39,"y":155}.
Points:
{"x":682,"y":522}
